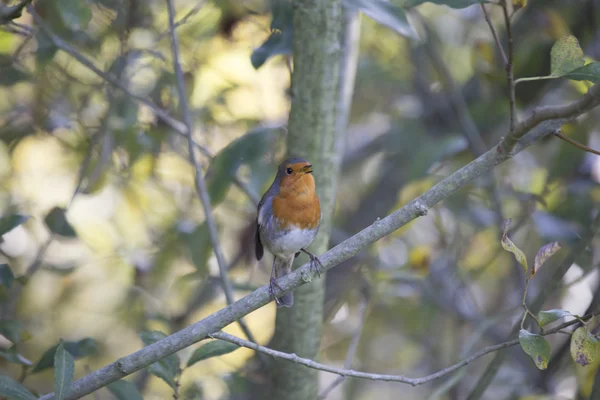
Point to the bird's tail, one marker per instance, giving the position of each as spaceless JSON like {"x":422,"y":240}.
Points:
{"x":282,"y":267}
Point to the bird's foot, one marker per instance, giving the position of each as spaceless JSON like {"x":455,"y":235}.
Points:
{"x":272,"y":285}
{"x":315,"y":263}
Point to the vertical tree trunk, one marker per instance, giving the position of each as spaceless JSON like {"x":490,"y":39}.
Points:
{"x":317,"y":28}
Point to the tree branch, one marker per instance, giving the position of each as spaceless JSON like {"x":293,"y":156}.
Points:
{"x":486,"y":15}
{"x":576,"y":143}
{"x":509,"y":66}
{"x":383,"y":377}
{"x":568,"y":112}
{"x":8,"y":13}
{"x":345,"y":250}
{"x":199,"y":176}
{"x":181,"y":21}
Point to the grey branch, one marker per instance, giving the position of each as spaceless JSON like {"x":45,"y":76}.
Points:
{"x":509,"y":67}
{"x":383,"y":377}
{"x":8,"y":13}
{"x":486,"y":15}
{"x":545,"y":122}
{"x":199,"y":174}
{"x":182,"y":21}
{"x":569,"y":112}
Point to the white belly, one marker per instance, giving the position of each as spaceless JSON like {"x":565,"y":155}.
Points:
{"x":290,"y":242}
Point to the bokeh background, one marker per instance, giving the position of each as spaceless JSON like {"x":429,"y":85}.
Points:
{"x":139,"y":258}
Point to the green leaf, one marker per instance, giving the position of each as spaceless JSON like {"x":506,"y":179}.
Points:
{"x":13,"y":356}
{"x":57,"y":222}
{"x":565,"y":56}
{"x":508,"y":245}
{"x":386,"y":14}
{"x":583,"y":346}
{"x":6,"y":276}
{"x":536,"y":347}
{"x":589,"y":72}
{"x":64,"y":367}
{"x":14,"y":390}
{"x":449,"y":3}
{"x":124,"y":390}
{"x":10,"y":74}
{"x":549,"y":316}
{"x":167,"y":368}
{"x":212,"y":349}
{"x":199,"y":246}
{"x":13,"y":331}
{"x":226,"y":163}
{"x":75,"y":14}
{"x":10,"y":222}
{"x":83,"y":348}
{"x":543,"y":254}
{"x":281,"y":37}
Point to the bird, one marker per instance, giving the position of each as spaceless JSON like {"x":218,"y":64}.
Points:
{"x":288,"y":219}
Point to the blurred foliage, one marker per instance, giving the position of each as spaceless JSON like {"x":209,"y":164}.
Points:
{"x":99,"y":188}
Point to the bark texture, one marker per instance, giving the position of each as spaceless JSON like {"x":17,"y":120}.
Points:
{"x":312,"y":135}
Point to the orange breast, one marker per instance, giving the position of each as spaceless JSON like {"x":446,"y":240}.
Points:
{"x":297,"y":204}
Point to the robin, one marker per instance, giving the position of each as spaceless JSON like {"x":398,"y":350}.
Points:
{"x":288,"y":220}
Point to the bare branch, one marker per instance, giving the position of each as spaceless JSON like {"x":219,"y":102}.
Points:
{"x":507,"y":59}
{"x":199,"y":174}
{"x":8,"y":13}
{"x":486,"y":15}
{"x":382,"y":377}
{"x":590,"y":100}
{"x":345,"y":250}
{"x":181,"y":21}
{"x":576,"y":143}
{"x":509,"y":66}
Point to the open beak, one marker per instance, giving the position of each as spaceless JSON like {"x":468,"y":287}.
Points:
{"x":307,"y":169}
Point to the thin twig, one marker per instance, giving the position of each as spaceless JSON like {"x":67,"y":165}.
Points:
{"x":352,"y":348}
{"x":486,"y":15}
{"x":576,"y":144}
{"x":199,"y":175}
{"x":382,"y":377}
{"x":509,"y":67}
{"x":181,"y":21}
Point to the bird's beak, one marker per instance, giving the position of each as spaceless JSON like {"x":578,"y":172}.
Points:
{"x":307,"y":169}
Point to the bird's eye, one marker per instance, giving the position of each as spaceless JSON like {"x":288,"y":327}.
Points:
{"x":289,"y":171}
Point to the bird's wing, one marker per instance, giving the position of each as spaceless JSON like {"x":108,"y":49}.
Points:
{"x":261,"y":218}
{"x":260,"y":250}
{"x":264,"y":212}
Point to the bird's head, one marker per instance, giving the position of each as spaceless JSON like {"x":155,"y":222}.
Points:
{"x":295,"y":172}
